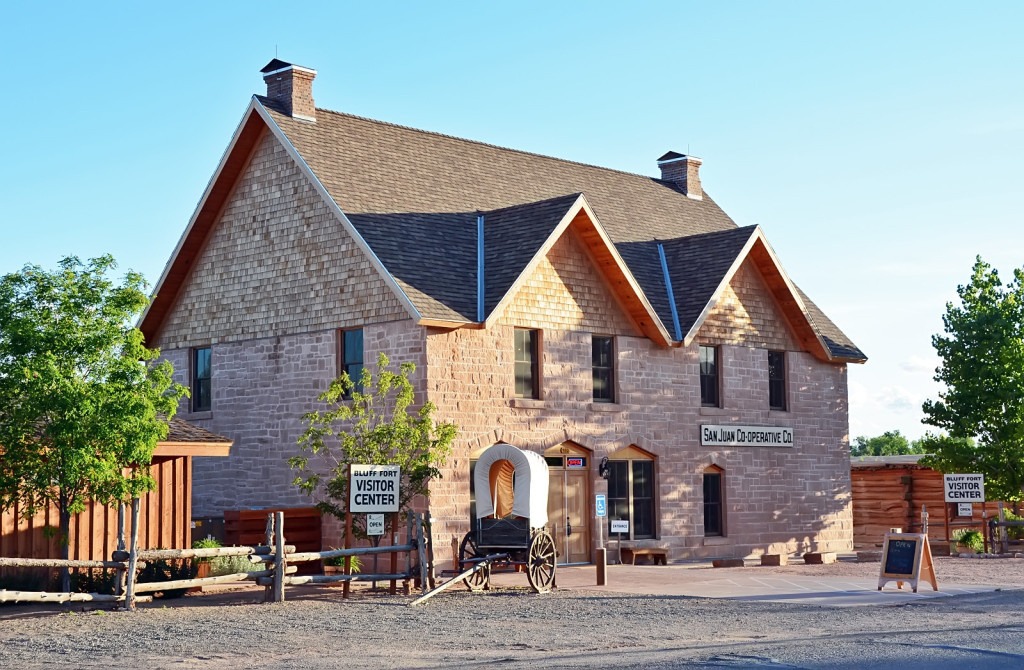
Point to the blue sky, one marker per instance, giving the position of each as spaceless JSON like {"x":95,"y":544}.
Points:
{"x":879,"y":145}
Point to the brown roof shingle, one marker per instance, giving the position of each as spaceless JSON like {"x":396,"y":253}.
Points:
{"x":415,"y":196}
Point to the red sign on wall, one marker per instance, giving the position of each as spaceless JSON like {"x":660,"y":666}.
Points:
{"x":575,"y":462}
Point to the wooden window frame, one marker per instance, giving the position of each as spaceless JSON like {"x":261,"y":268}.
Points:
{"x":534,"y":362}
{"x":631,"y":498}
{"x":710,"y":382}
{"x":715,"y":507}
{"x":777,"y":386}
{"x":609,"y":370}
{"x":195,"y":381}
{"x":344,"y":365}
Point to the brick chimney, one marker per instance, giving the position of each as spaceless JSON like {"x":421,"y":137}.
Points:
{"x":291,"y":86}
{"x":684,"y":172}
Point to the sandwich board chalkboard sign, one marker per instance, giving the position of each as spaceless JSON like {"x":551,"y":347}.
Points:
{"x":907,"y":557}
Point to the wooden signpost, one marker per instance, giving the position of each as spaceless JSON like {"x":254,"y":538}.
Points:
{"x":907,"y":557}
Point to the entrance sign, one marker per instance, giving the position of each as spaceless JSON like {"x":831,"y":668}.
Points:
{"x":374,"y":524}
{"x":906,"y":557}
{"x":620,"y":525}
{"x":964,"y":488}
{"x":374,"y":488}
{"x":746,"y":436}
{"x":601,"y":506}
{"x":965,"y":509}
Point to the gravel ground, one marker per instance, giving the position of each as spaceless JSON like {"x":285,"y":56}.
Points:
{"x":516,"y":628}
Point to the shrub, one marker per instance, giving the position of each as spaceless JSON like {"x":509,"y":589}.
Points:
{"x":340,"y":562}
{"x":969,"y":538}
{"x":1014,"y":532}
{"x":85,"y":580}
{"x":208,"y":542}
{"x":168,"y":570}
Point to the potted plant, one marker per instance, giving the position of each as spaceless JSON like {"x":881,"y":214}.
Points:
{"x":336,"y":565}
{"x":968,"y":541}
{"x":205,"y":565}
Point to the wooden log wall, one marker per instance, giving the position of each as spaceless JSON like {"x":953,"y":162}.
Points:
{"x":891,"y":496}
{"x":166,"y":517}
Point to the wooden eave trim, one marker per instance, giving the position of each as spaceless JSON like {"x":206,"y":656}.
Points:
{"x":654,"y":329}
{"x":216,"y":194}
{"x":193,"y":449}
{"x":333,"y":206}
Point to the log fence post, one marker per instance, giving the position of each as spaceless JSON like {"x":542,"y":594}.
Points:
{"x":268,"y":591}
{"x":120,"y":574}
{"x":421,"y":550}
{"x":133,"y":559}
{"x":279,"y":560}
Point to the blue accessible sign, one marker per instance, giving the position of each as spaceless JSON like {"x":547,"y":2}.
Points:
{"x":601,"y":506}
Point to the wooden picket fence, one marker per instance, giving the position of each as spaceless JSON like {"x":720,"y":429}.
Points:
{"x":278,"y":557}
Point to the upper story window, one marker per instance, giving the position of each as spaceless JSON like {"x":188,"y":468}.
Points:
{"x":527,"y":346}
{"x":350,"y":355}
{"x":709,"y":381}
{"x":201,"y":377}
{"x":777,"y":380}
{"x":603,"y":349}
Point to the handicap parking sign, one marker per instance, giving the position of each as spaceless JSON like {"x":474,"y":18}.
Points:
{"x":602,"y":508}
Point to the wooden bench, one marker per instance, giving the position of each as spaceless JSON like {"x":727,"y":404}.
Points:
{"x":657,"y":555}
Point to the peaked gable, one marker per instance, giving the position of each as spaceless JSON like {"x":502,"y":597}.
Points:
{"x":276,"y":261}
{"x":746,"y":313}
{"x":565,"y":291}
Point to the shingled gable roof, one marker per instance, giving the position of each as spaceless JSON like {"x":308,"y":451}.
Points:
{"x":700,"y":267}
{"x":374,"y":174}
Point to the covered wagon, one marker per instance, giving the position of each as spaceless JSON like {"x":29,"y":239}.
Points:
{"x":511,"y":518}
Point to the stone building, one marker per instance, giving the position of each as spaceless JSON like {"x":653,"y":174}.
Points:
{"x":576,"y":311}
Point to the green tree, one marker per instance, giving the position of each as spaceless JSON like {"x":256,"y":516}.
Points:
{"x":982,"y":370}
{"x":889,"y":443}
{"x":82,"y":404}
{"x":369,"y":421}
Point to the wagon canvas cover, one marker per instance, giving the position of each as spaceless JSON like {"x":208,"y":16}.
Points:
{"x":530,"y":484}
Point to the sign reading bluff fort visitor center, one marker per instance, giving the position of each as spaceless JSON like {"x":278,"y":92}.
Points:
{"x":745,"y":436}
{"x":373,"y":488}
{"x":964,"y":488}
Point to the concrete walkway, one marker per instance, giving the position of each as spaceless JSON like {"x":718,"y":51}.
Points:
{"x":701,"y":581}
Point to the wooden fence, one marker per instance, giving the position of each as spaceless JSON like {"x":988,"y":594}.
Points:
{"x":275,"y":554}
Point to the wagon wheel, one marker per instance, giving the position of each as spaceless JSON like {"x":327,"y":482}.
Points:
{"x":540,"y":563}
{"x":480,"y":579}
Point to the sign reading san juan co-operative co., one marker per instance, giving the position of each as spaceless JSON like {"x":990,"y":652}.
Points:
{"x":745,"y":436}
{"x":374,"y":488}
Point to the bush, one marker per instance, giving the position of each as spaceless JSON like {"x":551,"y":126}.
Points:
{"x":340,"y":562}
{"x":208,"y":542}
{"x":85,"y":580}
{"x":1014,"y":532}
{"x":968,"y":538}
{"x":167,"y":571}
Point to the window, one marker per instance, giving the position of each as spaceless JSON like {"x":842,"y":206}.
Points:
{"x":527,"y":379}
{"x":604,"y":368}
{"x":631,"y":496}
{"x":713,"y":509}
{"x":709,"y":376}
{"x":777,"y":380}
{"x":201,"y":400}
{"x":350,"y":355}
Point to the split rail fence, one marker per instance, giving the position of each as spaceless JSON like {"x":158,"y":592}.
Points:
{"x":278,"y":557}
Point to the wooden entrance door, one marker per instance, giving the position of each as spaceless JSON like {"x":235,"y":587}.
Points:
{"x":568,"y":510}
